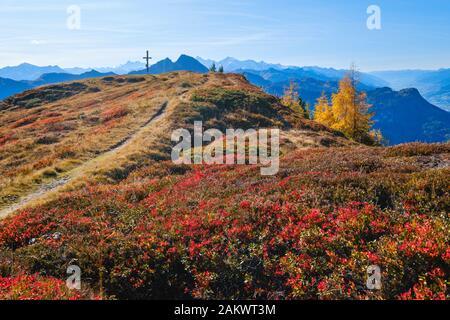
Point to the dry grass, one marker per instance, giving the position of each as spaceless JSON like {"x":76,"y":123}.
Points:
{"x":42,"y":142}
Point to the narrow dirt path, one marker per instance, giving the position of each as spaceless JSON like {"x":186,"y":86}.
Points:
{"x":34,"y":196}
{"x":60,"y":183}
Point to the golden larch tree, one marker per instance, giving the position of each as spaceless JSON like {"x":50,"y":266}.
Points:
{"x":351,"y":110}
{"x":323,"y":112}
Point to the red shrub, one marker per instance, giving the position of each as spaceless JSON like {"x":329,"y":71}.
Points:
{"x":33,"y":287}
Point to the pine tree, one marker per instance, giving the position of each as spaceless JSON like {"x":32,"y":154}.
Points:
{"x":221,"y":69}
{"x":304,"y":108}
{"x":213,"y":67}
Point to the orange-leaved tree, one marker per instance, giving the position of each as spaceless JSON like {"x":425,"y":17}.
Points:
{"x":323,"y":112}
{"x":349,"y":110}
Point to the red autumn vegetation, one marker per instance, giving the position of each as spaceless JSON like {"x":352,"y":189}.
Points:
{"x":224,"y":232}
{"x":33,"y":287}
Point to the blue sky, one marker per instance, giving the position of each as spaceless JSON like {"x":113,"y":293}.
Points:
{"x":328,"y":33}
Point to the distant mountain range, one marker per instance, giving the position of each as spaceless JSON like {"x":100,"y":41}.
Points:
{"x":29,"y":72}
{"x":322,"y":74}
{"x":10,"y":87}
{"x":121,"y":69}
{"x":278,"y":72}
{"x":51,"y":78}
{"x":231,"y":64}
{"x":402,"y":116}
{"x":184,"y":63}
{"x":405,"y":116}
{"x":26,"y":71}
{"x":434,"y":85}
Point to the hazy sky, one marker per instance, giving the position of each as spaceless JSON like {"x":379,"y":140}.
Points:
{"x":329,"y":33}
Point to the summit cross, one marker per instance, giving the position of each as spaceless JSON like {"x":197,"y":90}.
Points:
{"x":147,"y":58}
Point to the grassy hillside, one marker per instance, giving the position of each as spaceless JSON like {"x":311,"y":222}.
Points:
{"x":105,"y":128}
{"x":141,"y":227}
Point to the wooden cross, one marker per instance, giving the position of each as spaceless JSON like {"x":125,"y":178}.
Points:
{"x":147,"y":58}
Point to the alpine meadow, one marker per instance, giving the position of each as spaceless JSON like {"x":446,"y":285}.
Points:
{"x":179,"y":178}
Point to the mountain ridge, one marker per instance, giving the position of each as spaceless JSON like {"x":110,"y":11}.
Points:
{"x":27,"y":71}
{"x":434,"y":85}
{"x":86,"y":175}
{"x":402,"y":116}
{"x":183,"y":63}
{"x":406,"y":116}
